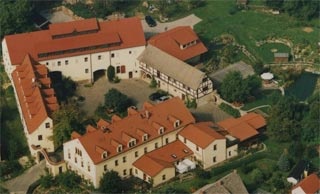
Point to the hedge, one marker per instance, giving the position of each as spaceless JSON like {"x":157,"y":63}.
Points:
{"x":228,"y":109}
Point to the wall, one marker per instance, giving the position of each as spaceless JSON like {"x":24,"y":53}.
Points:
{"x":9,"y":68}
{"x":219,"y":153}
{"x":232,"y":151}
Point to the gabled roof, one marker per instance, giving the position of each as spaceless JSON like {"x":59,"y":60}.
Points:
{"x":244,"y":127}
{"x":154,"y":162}
{"x":201,"y":134}
{"x":126,"y":32}
{"x":36,"y":98}
{"x":311,"y":184}
{"x":172,"y":67}
{"x":171,"y":40}
{"x":135,"y":126}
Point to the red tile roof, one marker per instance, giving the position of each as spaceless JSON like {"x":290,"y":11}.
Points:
{"x":36,"y":100}
{"x":201,"y":134}
{"x":154,"y":162}
{"x":311,"y":184}
{"x":127,"y":32}
{"x":170,"y":41}
{"x":134,"y":126}
{"x":244,"y":127}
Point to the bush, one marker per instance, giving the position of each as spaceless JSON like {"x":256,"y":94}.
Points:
{"x":10,"y":168}
{"x":81,"y":9}
{"x":111,"y":73}
{"x":117,"y":101}
{"x":203,"y":174}
{"x":153,"y":83}
{"x":246,"y":168}
{"x":233,"y":10}
{"x":228,"y":109}
{"x":46,"y":181}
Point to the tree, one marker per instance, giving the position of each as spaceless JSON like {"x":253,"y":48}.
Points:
{"x":275,"y":4}
{"x":310,"y":123}
{"x":302,"y":9}
{"x":111,"y":73}
{"x":258,"y":67}
{"x":162,"y":6}
{"x":253,"y":83}
{"x":110,"y":183}
{"x":65,"y":120}
{"x":153,"y":83}
{"x":257,"y":176}
{"x":117,"y":101}
{"x":233,"y":88}
{"x":68,"y":179}
{"x":64,"y":88}
{"x":283,"y":162}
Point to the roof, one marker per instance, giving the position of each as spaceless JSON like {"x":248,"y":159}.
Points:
{"x":126,"y":33}
{"x":244,"y":127}
{"x":298,"y":170}
{"x":162,"y":158}
{"x":133,"y":127}
{"x":201,"y":134}
{"x":311,"y":184}
{"x":36,"y":98}
{"x":281,"y":54}
{"x":170,"y":41}
{"x":172,"y":67}
{"x":230,"y":184}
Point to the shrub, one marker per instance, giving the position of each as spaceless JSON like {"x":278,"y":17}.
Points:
{"x":116,"y":79}
{"x":227,"y":108}
{"x":233,"y":10}
{"x":283,"y":162}
{"x":203,"y":174}
{"x":246,"y":168}
{"x":111,"y":73}
{"x":46,"y":181}
{"x":153,"y":83}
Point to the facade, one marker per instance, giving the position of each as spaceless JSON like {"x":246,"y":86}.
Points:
{"x":173,"y":75}
{"x":79,"y":49}
{"x":180,"y":42}
{"x":36,"y":102}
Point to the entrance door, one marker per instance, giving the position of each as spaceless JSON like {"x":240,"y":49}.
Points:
{"x":130,"y":74}
{"x":183,"y":96}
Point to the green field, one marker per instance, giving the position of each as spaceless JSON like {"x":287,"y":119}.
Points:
{"x":249,"y":26}
{"x":264,"y":98}
{"x":267,"y":51}
{"x":303,"y":87}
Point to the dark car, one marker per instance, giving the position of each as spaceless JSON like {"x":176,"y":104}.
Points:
{"x":150,"y":21}
{"x":155,"y":96}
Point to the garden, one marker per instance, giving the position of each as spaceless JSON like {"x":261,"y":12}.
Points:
{"x":266,"y":51}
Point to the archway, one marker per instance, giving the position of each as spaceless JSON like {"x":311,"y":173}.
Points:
{"x":101,"y":73}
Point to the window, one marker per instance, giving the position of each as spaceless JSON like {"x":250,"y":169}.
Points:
{"x":184,"y":140}
{"x":164,"y":177}
{"x":85,"y":59}
{"x":177,"y":123}
{"x":75,"y":159}
{"x":59,"y":63}
{"x":66,"y":62}
{"x":47,"y":125}
{"x":136,"y":154}
{"x":214,"y":147}
{"x":104,"y":155}
{"x":156,"y":145}
{"x":81,"y":163}
{"x":119,"y":149}
{"x":167,"y":140}
{"x":118,"y":69}
{"x":112,"y":55}
{"x":145,"y":137}
{"x":214,"y":159}
{"x":123,"y":69}
{"x":124,"y":159}
{"x":229,"y":153}
{"x":116,"y":162}
{"x":130,"y":52}
{"x":89,"y":168}
{"x":69,"y":155}
{"x":47,"y":63}
{"x":145,"y":150}
{"x":197,"y":148}
{"x":105,"y":167}
{"x":39,"y":137}
{"x":99,"y":57}
{"x":161,"y":130}
{"x":87,"y":70}
{"x":124,"y":172}
{"x":136,"y":171}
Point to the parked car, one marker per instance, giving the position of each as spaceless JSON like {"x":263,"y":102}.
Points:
{"x":163,"y":98}
{"x":150,"y":21}
{"x":155,"y":96}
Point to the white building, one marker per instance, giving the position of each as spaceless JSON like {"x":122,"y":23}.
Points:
{"x":80,"y":49}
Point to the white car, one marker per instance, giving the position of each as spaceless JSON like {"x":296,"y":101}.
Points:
{"x":163,"y":98}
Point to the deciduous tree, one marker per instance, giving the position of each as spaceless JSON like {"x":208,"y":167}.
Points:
{"x":110,"y":183}
{"x":117,"y":101}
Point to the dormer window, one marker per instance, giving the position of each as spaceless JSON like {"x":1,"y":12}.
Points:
{"x":132,"y":143}
{"x":161,"y":130}
{"x":104,"y":155}
{"x":145,"y":137}
{"x":119,"y":149}
{"x":176,"y":123}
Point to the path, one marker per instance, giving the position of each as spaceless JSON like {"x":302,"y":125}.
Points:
{"x":190,"y":20}
{"x":262,"y":106}
{"x":21,"y":183}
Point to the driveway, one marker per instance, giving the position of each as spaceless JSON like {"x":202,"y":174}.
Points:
{"x":190,"y":20}
{"x":209,"y":112}
{"x":136,"y":89}
{"x":21,"y":183}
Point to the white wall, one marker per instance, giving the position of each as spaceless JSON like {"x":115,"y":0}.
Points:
{"x":232,"y":151}
{"x":9,"y":68}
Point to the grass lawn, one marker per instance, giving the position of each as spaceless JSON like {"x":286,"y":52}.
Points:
{"x":250,"y":26}
{"x":263,"y":99}
{"x":303,"y":87}
{"x":266,"y":51}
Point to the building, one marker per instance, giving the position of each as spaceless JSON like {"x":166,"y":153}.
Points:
{"x":281,"y":57}
{"x":229,"y":184}
{"x":181,"y":42}
{"x":207,"y":144}
{"x":309,"y":185}
{"x":36,"y":102}
{"x":246,"y":128}
{"x":154,"y":144}
{"x":299,"y":172}
{"x":80,"y":49}
{"x":173,"y":75}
